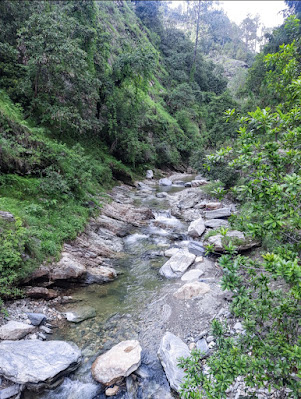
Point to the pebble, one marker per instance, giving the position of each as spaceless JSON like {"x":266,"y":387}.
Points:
{"x":209,"y":339}
{"x":211,"y":345}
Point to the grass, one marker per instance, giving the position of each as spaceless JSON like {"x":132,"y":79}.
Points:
{"x":51,"y":188}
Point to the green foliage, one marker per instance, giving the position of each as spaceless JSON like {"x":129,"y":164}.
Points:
{"x":267,"y":291}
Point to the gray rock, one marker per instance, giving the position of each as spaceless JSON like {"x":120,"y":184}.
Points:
{"x":196,"y":248}
{"x":188,"y":184}
{"x":196,"y":228}
{"x":192,"y":275}
{"x":149,"y":174}
{"x":36,"y":363}
{"x":41,"y":292}
{"x":192,"y":290}
{"x":36,"y":318}
{"x":67,"y":269}
{"x":215,"y":223}
{"x":118,"y":227}
{"x":46,"y":330}
{"x":171,"y":348}
{"x":202,"y":346}
{"x":165,"y":182}
{"x":15,"y":330}
{"x":238,"y":238}
{"x":10,"y":391}
{"x":177,"y":264}
{"x":218,"y":213}
{"x":7,"y":216}
{"x":161,"y":195}
{"x":80,"y":314}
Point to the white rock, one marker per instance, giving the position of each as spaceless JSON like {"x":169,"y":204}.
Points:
{"x":192,"y":275}
{"x":149,"y":174}
{"x":15,"y":330}
{"x":196,"y":228}
{"x":119,"y":362}
{"x":192,"y":290}
{"x":171,"y":348}
{"x":177,"y":264}
{"x":165,"y":182}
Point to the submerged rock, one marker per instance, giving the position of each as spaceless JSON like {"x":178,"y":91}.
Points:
{"x":192,"y":290}
{"x":37,"y":364}
{"x":196,"y":228}
{"x":80,"y":314}
{"x":119,"y":362}
{"x":170,"y":350}
{"x":15,"y":330}
{"x":177,"y":264}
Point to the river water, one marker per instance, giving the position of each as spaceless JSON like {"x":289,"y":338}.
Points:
{"x":131,"y":307}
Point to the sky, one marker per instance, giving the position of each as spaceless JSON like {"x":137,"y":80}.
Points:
{"x":269,"y":11}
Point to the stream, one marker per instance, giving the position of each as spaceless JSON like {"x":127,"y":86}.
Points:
{"x":137,"y":305}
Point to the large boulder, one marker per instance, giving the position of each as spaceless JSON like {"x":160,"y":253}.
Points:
{"x":196,"y":228}
{"x":177,"y":264}
{"x":119,"y":362}
{"x":170,"y":350}
{"x":192,"y":290}
{"x":36,"y":363}
{"x":218,"y":213}
{"x":100,"y":275}
{"x":14,"y":330}
{"x":165,"y":182}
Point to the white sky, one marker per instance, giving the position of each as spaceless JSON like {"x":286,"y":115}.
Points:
{"x":269,"y":11}
{"x":238,"y":10}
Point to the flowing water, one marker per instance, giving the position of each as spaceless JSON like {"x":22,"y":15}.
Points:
{"x":124,"y":309}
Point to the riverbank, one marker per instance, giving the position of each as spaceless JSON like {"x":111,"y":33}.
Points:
{"x":155,"y":227}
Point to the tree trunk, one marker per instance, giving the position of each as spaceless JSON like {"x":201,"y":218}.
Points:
{"x":196,"y":41}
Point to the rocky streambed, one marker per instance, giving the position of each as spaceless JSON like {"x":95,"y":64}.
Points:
{"x":128,"y":297}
